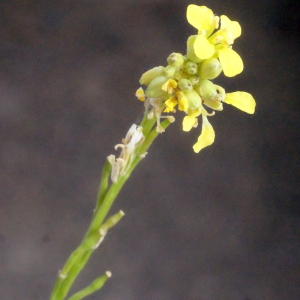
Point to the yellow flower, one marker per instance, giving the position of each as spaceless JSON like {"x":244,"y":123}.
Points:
{"x":218,"y":44}
{"x":178,"y":98}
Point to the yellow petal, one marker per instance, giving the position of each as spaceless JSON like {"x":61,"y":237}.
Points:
{"x":200,"y":17}
{"x":191,"y":120}
{"x":241,"y":100}
{"x":182,"y":101}
{"x":231,"y":62}
{"x":170,"y":104}
{"x":233,"y":26}
{"x":206,"y":137}
{"x":203,"y":48}
{"x":169,"y":86}
{"x":188,"y":123}
{"x":140,"y":94}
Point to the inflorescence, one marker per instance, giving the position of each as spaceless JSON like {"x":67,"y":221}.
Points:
{"x":185,"y":83}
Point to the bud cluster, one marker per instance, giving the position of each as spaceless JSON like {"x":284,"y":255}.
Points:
{"x":186,"y":79}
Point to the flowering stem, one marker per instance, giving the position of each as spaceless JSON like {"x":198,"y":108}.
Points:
{"x":97,"y":229}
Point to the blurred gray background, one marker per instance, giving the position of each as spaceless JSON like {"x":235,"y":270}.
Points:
{"x":219,"y":225}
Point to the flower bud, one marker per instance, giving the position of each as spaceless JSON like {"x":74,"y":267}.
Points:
{"x":170,"y":71}
{"x":148,"y":76}
{"x":191,"y":68}
{"x":154,"y":89}
{"x":185,"y":85}
{"x":175,"y":59}
{"x":193,"y":98}
{"x":210,"y":68}
{"x":206,"y":89}
{"x":190,"y":50}
{"x":194,"y":79}
{"x":178,"y":75}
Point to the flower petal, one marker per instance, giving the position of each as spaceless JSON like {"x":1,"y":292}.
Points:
{"x":191,"y":120}
{"x":206,"y":137}
{"x":169,"y":86}
{"x":241,"y":100}
{"x":203,"y":48}
{"x":200,"y":17}
{"x":231,"y":62}
{"x":233,"y":26}
{"x":188,"y":123}
{"x":140,"y":94}
{"x":182,"y":101}
{"x":170,"y":104}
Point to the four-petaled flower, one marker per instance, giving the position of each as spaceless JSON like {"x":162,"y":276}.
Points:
{"x":215,"y":38}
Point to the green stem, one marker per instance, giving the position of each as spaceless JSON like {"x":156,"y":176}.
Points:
{"x":104,"y":184}
{"x":93,"y":287}
{"x":105,"y":199}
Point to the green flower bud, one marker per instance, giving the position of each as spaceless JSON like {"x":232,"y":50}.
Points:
{"x":194,"y":79}
{"x":170,"y":71}
{"x":193,"y":98}
{"x":178,"y":75}
{"x":154,"y":88}
{"x":206,"y":89}
{"x":148,"y":76}
{"x":185,"y":85}
{"x":190,"y":50}
{"x":191,"y":68}
{"x":210,"y":68}
{"x":175,"y":59}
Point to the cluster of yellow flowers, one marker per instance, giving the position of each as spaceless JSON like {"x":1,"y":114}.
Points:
{"x":186,"y":83}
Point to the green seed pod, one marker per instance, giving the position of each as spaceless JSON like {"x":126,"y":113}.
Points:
{"x":206,"y":89}
{"x":194,"y":79}
{"x":154,"y":88}
{"x":191,"y":68}
{"x":190,"y":50}
{"x":148,"y":76}
{"x":175,"y":60}
{"x":193,"y":98}
{"x":210,"y":68}
{"x":185,"y":85}
{"x":170,"y":71}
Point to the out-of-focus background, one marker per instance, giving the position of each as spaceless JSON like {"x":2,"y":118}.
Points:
{"x":219,"y":225}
